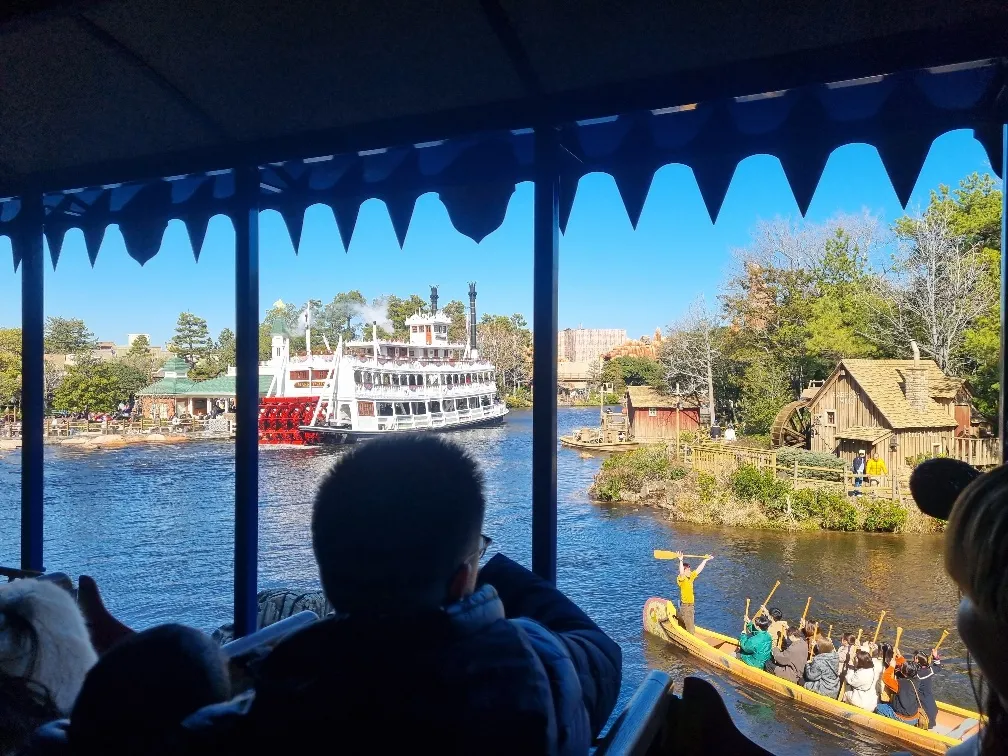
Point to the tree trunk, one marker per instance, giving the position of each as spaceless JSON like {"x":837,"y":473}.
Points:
{"x":710,"y":381}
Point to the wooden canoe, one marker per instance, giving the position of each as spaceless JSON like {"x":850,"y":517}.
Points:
{"x":573,"y":443}
{"x":953,"y":726}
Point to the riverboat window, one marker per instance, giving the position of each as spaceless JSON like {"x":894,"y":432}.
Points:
{"x":412,"y":353}
{"x":414,"y":329}
{"x":419,"y":408}
{"x":435,"y":407}
{"x":384,"y":409}
{"x":368,"y":382}
{"x":473,"y":402}
{"x":299,"y":375}
{"x":449,"y":405}
{"x":485,"y":401}
{"x":357,"y":377}
{"x":401,"y":409}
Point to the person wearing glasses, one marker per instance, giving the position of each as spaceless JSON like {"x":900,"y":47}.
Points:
{"x":426,"y":651}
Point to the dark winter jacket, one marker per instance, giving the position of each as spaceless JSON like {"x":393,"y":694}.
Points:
{"x":789,"y":664}
{"x":516,"y":668}
{"x":821,"y":675}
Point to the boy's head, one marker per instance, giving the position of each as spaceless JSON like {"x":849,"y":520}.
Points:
{"x":143,"y":687}
{"x":776,"y":615}
{"x":762,"y":622}
{"x":397,"y":525}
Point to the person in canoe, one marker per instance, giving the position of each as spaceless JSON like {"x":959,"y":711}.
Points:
{"x":755,"y":644}
{"x":789,"y":663}
{"x":821,"y":674}
{"x":860,"y":677}
{"x":686,"y":597}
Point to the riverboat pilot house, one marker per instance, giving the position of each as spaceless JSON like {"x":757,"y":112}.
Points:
{"x":870,"y":404}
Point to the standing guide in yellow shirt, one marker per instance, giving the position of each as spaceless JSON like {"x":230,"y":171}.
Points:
{"x":686,"y":598}
{"x":875,"y":469}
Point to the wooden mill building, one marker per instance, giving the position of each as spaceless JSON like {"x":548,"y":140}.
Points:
{"x":653,"y":415}
{"x":868,"y":404}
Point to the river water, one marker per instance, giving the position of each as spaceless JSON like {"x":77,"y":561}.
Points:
{"x":153,"y":525}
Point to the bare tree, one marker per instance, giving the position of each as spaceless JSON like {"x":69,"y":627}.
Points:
{"x":788,"y":245}
{"x":933,"y":291}
{"x":504,"y":342}
{"x":691,"y":352}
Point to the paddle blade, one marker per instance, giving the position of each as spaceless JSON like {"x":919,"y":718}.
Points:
{"x":662,"y":554}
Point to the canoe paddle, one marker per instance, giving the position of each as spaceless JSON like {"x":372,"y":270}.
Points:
{"x":941,"y":640}
{"x":769,"y":596}
{"x":899,"y":634}
{"x":878,"y":627}
{"x":663,"y":554}
{"x":746,"y":620}
{"x":801,"y":625}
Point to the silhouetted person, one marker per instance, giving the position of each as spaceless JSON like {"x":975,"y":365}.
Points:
{"x":426,"y":652}
{"x":137,"y":695}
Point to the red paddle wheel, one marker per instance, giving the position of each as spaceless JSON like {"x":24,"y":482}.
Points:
{"x":280,"y":418}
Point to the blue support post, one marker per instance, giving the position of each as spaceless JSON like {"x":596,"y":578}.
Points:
{"x":246,"y":224}
{"x":32,"y":379}
{"x":546,"y":256}
{"x":1004,"y":295}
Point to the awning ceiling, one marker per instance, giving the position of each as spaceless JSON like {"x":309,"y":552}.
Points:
{"x":148,"y":105}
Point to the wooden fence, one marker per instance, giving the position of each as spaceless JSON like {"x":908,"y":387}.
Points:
{"x":979,"y":452}
{"x":718,"y":459}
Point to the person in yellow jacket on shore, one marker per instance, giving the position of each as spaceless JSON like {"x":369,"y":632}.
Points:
{"x":875,"y":469}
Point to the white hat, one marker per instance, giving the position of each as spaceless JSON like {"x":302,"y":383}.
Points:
{"x":861,"y":452}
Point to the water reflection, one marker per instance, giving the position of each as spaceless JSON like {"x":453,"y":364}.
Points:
{"x":155,"y":526}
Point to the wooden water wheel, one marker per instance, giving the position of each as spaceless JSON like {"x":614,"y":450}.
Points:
{"x":792,"y":426}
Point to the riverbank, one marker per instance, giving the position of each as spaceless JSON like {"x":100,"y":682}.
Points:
{"x":747,"y":498}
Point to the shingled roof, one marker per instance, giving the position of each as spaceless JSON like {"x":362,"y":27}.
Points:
{"x":883,"y":382}
{"x":645,"y":397}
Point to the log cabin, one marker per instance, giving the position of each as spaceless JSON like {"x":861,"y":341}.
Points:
{"x":870,"y":404}
{"x":653,"y":415}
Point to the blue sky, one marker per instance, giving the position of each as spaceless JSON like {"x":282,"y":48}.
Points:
{"x":611,"y":276}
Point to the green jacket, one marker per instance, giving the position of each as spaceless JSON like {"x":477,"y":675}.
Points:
{"x":755,"y":646}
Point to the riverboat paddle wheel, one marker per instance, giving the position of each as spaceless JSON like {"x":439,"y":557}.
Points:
{"x":793,"y":425}
{"x":280,"y":419}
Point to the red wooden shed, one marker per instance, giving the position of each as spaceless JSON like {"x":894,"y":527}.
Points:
{"x":653,"y":415}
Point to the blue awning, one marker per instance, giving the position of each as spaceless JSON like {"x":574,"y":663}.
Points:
{"x":899,"y":114}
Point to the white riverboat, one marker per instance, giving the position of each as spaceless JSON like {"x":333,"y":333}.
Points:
{"x":372,"y":387}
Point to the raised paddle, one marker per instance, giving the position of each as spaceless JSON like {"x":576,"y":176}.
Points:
{"x":770,"y":595}
{"x":899,"y":634}
{"x":746,"y":620}
{"x":663,"y":554}
{"x":878,"y":627}
{"x":801,"y":625}
{"x":941,"y":640}
{"x":815,"y":635}
{"x":829,"y":632}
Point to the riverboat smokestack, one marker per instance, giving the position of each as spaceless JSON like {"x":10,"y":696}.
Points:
{"x":433,"y":300}
{"x":472,"y":316}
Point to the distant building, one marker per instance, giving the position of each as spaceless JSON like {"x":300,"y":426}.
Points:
{"x":587,"y":344}
{"x":653,"y":415}
{"x":573,"y":379}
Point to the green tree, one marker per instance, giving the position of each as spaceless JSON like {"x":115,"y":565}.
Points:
{"x":140,"y":346}
{"x":10,"y":365}
{"x":226,"y":350}
{"x":637,"y":371}
{"x":68,"y":336}
{"x":458,"y":329}
{"x":97,"y":386}
{"x":192,"y":340}
{"x":975,"y":211}
{"x":764,"y":390}
{"x":342,"y":317}
{"x":399,"y":310}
